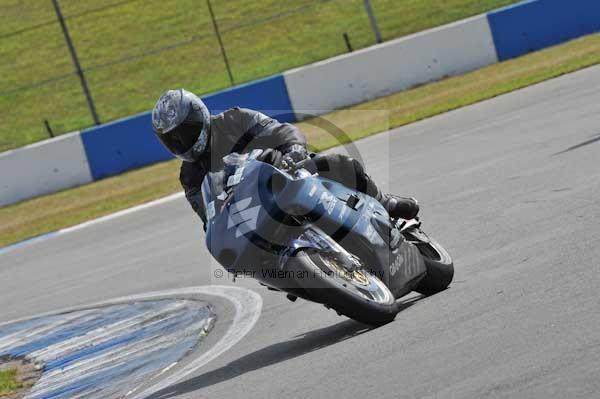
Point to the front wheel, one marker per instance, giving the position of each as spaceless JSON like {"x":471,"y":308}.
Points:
{"x":356,"y":294}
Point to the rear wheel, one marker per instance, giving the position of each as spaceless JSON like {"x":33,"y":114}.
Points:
{"x":440,"y":268}
{"x":354,"y":293}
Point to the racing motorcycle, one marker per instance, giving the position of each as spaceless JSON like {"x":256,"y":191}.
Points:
{"x":317,"y":239}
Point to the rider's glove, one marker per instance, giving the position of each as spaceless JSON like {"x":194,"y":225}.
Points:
{"x":296,"y":153}
{"x":271,"y":156}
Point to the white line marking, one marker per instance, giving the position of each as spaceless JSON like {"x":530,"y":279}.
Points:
{"x":24,"y":335}
{"x":80,"y":367}
{"x":89,"y":223}
{"x":99,"y":335}
{"x":248,"y":306}
{"x":123,"y":212}
{"x":64,"y":376}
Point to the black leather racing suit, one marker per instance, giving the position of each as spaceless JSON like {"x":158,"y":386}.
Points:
{"x":243,"y":130}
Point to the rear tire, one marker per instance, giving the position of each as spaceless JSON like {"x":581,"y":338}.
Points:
{"x":330,"y":291}
{"x":440,"y":268}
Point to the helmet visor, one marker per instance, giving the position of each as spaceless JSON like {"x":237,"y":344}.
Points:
{"x":181,"y":139}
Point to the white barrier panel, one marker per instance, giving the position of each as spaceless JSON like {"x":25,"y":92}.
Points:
{"x":392,"y":66}
{"x":43,"y":168}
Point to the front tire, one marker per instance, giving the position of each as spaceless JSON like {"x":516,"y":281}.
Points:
{"x":366,"y":300}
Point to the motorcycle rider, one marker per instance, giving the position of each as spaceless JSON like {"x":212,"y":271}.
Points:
{"x":183,"y":124}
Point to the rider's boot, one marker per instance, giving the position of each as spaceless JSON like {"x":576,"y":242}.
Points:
{"x":351,"y":173}
{"x":400,"y":207}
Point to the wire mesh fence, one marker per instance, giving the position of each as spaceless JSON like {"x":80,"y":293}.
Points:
{"x":132,"y":50}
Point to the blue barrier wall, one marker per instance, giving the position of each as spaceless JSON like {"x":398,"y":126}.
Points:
{"x":537,"y":24}
{"x":129,"y":143}
{"x":122,"y":145}
{"x":268,"y":95}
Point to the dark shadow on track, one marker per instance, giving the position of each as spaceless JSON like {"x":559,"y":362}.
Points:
{"x":273,"y":354}
{"x":587,"y":142}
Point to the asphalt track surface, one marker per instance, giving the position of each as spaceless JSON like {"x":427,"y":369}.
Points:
{"x":510,"y":186}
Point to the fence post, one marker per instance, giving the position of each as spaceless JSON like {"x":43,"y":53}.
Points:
{"x":48,"y":128}
{"x":84,"y":85}
{"x":347,"y":40}
{"x":214,"y":21}
{"x":373,"y":21}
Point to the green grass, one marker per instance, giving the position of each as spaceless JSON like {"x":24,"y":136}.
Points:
{"x":261,"y":38}
{"x":63,"y":209}
{"x":9,"y":383}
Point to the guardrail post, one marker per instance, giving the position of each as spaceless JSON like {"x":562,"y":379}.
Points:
{"x":373,"y":21}
{"x":48,"y":128}
{"x":84,"y":85}
{"x":347,"y":40}
{"x":214,"y":21}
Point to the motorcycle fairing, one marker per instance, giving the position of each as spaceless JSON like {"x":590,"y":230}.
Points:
{"x":259,"y":203}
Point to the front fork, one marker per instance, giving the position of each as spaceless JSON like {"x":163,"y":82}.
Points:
{"x":315,"y":239}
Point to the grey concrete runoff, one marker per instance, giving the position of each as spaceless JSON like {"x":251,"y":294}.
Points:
{"x":510,"y":186}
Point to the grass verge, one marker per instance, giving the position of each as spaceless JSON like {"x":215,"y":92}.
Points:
{"x":63,"y":209}
{"x":9,"y":382}
{"x":131,"y":50}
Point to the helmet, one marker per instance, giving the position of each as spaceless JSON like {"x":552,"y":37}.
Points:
{"x":181,"y":122}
